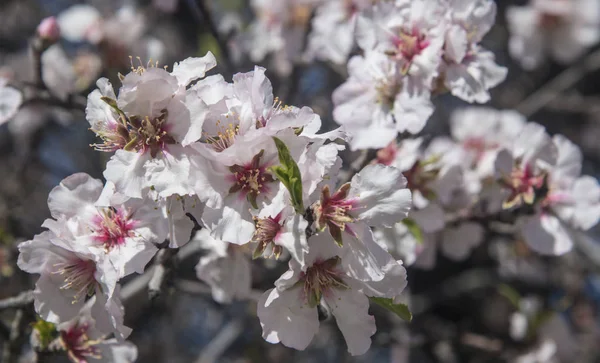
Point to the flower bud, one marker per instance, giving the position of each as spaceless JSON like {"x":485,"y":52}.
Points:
{"x":49,"y":30}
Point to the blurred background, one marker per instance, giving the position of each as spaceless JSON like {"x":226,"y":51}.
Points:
{"x":462,"y":311}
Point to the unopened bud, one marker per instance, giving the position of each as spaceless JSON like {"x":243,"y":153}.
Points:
{"x":49,"y":30}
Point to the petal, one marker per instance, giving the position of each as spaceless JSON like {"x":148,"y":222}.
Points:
{"x":285,"y":318}
{"x":74,"y":195}
{"x":361,"y":256}
{"x":351,"y":310}
{"x":193,"y":68}
{"x":126,"y":170}
{"x":382,"y":196}
{"x":391,"y":285}
{"x":293,"y":237}
{"x":546,"y":235}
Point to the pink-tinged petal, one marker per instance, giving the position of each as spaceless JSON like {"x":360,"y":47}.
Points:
{"x":286,"y":318}
{"x":381,"y":194}
{"x":351,"y":310}
{"x":74,"y":195}
{"x":545,"y":234}
{"x":34,"y":254}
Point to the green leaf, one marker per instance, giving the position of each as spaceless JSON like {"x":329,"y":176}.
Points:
{"x":399,"y":309}
{"x":510,"y":294}
{"x":289,"y":174}
{"x":414,"y":229}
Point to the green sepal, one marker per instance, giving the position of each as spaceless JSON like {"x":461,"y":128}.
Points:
{"x":399,"y":309}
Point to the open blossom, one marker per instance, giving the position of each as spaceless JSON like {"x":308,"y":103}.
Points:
{"x":84,"y":343}
{"x":95,"y":238}
{"x":288,"y":313}
{"x":332,"y":33}
{"x":241,"y":175}
{"x":469,"y":70}
{"x":563,"y":30}
{"x":376,"y":196}
{"x":149,"y":125}
{"x":377,"y":102}
{"x":572,"y":201}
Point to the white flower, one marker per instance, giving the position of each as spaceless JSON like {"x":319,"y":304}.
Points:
{"x":377,"y":102}
{"x":288,"y":313}
{"x":332,"y":34}
{"x":564,"y":30}
{"x":572,"y":202}
{"x":150,"y":125}
{"x":469,"y":71}
{"x":410,"y":33}
{"x":96,"y":238}
{"x":84,"y":342}
{"x":240,"y":175}
{"x":376,"y":196}
{"x":10,"y":101}
{"x":226,"y":269}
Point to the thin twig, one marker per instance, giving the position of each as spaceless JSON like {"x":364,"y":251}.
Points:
{"x":226,"y":336}
{"x":553,"y":89}
{"x":23,"y":299}
{"x":163,"y":267}
{"x":12,"y":347}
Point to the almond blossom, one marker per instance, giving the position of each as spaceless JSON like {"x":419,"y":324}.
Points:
{"x":83,"y":342}
{"x":96,"y":238}
{"x":288,"y":313}
{"x":149,"y":126}
{"x":571,"y":202}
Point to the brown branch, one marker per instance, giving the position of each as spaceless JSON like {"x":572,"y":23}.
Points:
{"x":554,"y":88}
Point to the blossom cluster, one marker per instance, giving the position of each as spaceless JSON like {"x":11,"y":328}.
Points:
{"x":252,"y":172}
{"x":496,"y":168}
{"x":229,"y":166}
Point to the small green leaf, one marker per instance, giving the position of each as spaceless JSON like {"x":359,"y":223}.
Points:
{"x":510,"y":294}
{"x":289,"y":174}
{"x":414,"y":229}
{"x":399,"y":309}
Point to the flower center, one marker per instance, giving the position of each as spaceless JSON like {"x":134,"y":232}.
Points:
{"x":320,"y":278}
{"x":251,"y":179}
{"x":522,"y":183}
{"x":266,"y":231}
{"x":78,"y":277}
{"x":78,"y":345}
{"x":333,"y":211}
{"x":407,"y":45}
{"x":113,"y":226}
{"x":225,"y":136}
{"x":386,"y":91}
